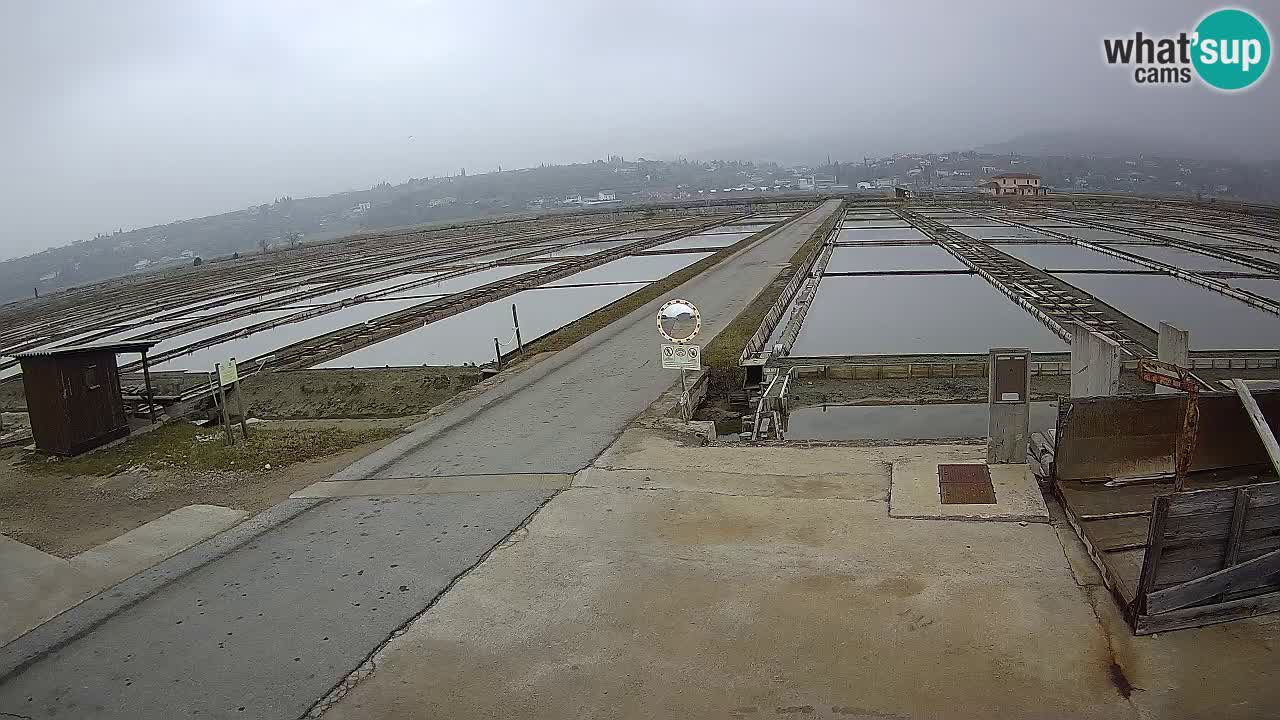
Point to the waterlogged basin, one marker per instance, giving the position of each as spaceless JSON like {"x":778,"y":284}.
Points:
{"x":903,"y":422}
{"x":900,"y":314}
{"x":468,"y":336}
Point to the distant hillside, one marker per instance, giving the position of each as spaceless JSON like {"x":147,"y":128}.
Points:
{"x":1105,"y":143}
{"x":416,"y":202}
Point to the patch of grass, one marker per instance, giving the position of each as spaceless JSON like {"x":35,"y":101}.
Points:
{"x":183,"y":446}
{"x":585,"y":326}
{"x":725,"y":350}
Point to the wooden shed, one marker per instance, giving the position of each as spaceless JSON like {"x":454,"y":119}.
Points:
{"x":74,"y":396}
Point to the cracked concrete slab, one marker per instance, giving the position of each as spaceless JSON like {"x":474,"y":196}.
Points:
{"x":719,"y":590}
{"x":627,"y":603}
{"x":913,"y":493}
{"x":39,"y":586}
{"x":274,"y":625}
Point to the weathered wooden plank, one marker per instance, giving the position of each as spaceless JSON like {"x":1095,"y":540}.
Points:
{"x":1236,"y":534}
{"x":1201,"y":588}
{"x":1195,"y":502}
{"x":1122,"y":588}
{"x":1124,"y":567}
{"x":1178,"y":565}
{"x":1207,"y":614}
{"x":1216,"y":526}
{"x":1093,"y":499}
{"x":1155,"y":544}
{"x":1259,"y":423}
{"x":1252,"y":544}
{"x":1118,"y":533}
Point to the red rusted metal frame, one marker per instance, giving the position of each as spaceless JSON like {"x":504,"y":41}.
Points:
{"x":1179,"y":378}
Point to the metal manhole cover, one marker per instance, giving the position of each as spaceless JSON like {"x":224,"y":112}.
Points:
{"x":967,"y":494}
{"x":964,"y":473}
{"x":966,"y":484}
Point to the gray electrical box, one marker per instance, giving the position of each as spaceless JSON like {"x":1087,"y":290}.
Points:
{"x":1010,"y":376}
{"x":1009,"y":370}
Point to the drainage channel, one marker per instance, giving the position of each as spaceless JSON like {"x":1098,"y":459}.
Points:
{"x":1056,"y":304}
{"x":1246,"y":296}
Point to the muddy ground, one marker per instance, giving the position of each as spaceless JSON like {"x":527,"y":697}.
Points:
{"x":66,"y":506}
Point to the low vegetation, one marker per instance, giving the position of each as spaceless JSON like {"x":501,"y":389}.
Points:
{"x":725,"y":350}
{"x":184,"y":447}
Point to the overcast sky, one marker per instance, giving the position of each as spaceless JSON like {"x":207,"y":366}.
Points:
{"x":133,"y":113}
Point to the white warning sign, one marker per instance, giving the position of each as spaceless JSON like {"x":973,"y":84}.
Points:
{"x":681,"y":357}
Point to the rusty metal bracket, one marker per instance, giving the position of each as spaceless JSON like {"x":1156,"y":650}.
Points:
{"x":1179,"y":378}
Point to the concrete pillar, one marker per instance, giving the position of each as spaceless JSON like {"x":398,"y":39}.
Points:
{"x":1174,"y":347}
{"x":1008,"y":429}
{"x":1095,"y":364}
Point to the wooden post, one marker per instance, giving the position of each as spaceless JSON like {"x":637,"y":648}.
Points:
{"x":1259,"y":422}
{"x":146,"y":377}
{"x":497,"y":353}
{"x":516,"y":319}
{"x":244,"y":423}
{"x":222,"y":396}
{"x":235,"y":387}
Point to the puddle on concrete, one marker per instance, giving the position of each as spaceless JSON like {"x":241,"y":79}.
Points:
{"x":1184,"y":259}
{"x":882,"y":258}
{"x":1216,"y":322}
{"x":858,"y":235}
{"x":280,"y":336}
{"x":903,"y":422}
{"x":916,"y":314}
{"x":636,"y":268}
{"x":1061,"y":256}
{"x":468,"y":336}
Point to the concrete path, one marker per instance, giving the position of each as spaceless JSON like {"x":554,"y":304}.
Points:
{"x":38,"y":586}
{"x":270,"y":624}
{"x":676,"y":581}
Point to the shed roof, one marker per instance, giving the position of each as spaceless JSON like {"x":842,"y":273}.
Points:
{"x":135,"y":346}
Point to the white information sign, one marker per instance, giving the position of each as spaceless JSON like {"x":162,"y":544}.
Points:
{"x":681,"y":357}
{"x":227,"y":372}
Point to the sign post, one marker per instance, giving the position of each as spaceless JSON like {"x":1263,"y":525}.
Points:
{"x":679,"y":322}
{"x":222,"y":400}
{"x":234,"y":376}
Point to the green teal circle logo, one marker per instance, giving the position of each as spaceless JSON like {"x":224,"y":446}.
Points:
{"x":1232,"y":49}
